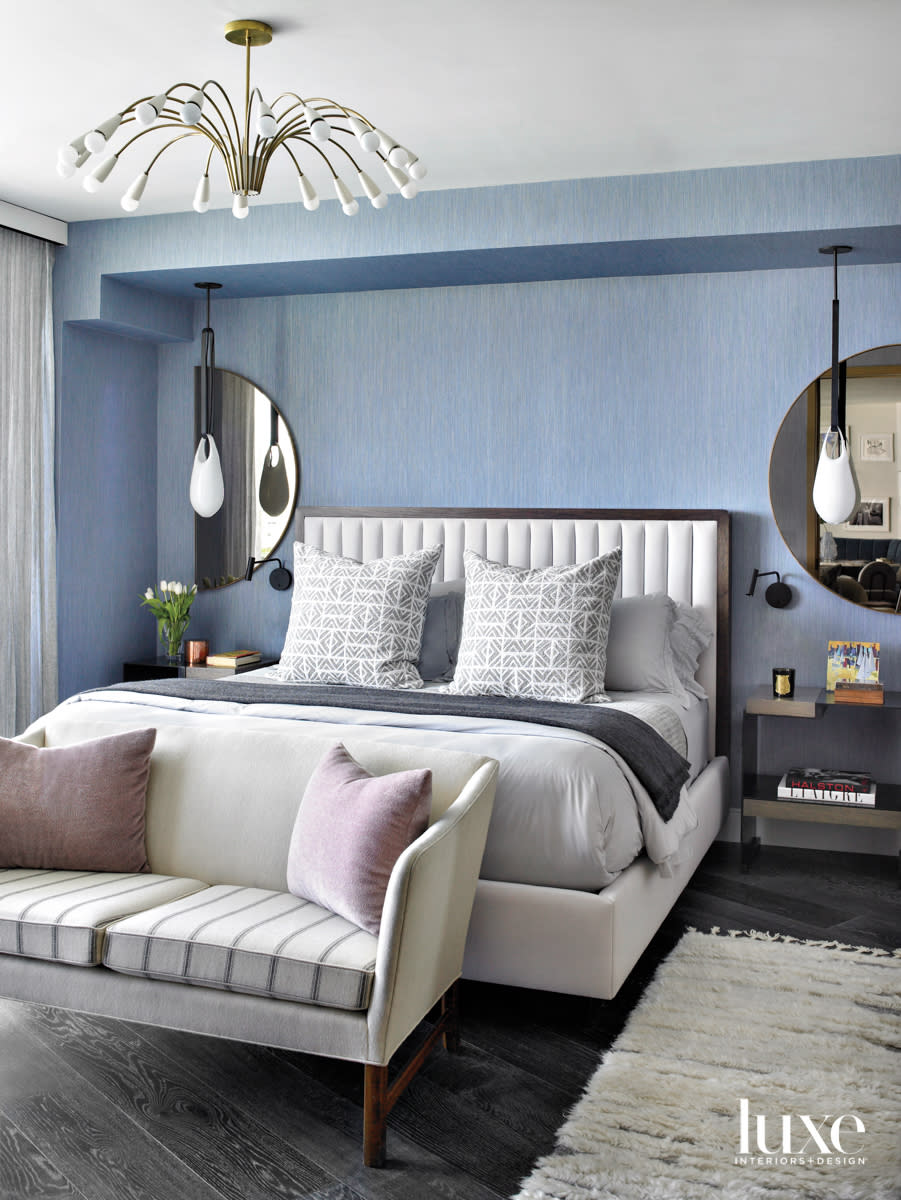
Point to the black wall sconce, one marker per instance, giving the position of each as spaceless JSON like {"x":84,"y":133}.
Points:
{"x":280,"y":578}
{"x":777,"y":595}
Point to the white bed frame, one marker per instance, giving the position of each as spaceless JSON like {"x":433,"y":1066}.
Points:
{"x":554,"y":938}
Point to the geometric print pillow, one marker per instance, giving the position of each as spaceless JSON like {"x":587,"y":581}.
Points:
{"x":357,"y":623}
{"x":539,"y":632}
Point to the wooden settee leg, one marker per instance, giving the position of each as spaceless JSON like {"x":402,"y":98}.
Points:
{"x":379,"y":1098}
{"x":375,"y":1115}
{"x":450,"y":1018}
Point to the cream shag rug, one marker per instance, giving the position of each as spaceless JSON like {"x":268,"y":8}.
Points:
{"x":795,"y":1029}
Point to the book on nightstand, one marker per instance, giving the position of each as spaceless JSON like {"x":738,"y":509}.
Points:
{"x":859,"y":693}
{"x":819,"y":786}
{"x":233,"y":658}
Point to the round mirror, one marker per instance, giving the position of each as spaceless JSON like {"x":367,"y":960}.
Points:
{"x":260,"y":473}
{"x":860,"y":559}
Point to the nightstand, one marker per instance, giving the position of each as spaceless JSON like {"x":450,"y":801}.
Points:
{"x":759,"y":790}
{"x":151,"y":668}
{"x":162,"y":668}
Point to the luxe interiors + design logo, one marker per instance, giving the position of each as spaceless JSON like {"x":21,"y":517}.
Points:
{"x":829,"y":1141}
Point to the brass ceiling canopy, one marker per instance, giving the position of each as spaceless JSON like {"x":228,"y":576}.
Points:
{"x":248,"y":33}
{"x":317,"y":128}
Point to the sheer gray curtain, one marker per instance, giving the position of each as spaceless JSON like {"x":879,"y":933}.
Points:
{"x":28,"y":678}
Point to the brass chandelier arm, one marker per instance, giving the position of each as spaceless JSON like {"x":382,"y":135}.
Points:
{"x":225,"y":127}
{"x":193,"y":131}
{"x":283,"y":141}
{"x":180,"y":137}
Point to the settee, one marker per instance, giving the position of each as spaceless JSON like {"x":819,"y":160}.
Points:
{"x":220,"y":812}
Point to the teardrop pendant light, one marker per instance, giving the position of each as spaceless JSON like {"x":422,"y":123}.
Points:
{"x":207,"y":486}
{"x":835,"y":491}
{"x":274,"y":491}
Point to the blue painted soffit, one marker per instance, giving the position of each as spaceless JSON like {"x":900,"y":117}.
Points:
{"x":529,"y":264}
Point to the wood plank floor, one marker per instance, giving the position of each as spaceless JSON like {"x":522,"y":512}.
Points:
{"x":94,"y":1109}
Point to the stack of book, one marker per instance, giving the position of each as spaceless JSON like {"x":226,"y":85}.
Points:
{"x":233,"y":659}
{"x":827,"y":787}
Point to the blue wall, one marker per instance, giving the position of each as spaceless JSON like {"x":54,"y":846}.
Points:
{"x":635,"y":390}
{"x":106,"y":502}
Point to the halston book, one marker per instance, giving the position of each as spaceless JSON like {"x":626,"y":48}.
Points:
{"x":852,"y":662}
{"x":827,"y":787}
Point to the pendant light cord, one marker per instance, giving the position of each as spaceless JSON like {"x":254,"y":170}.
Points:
{"x":207,"y":367}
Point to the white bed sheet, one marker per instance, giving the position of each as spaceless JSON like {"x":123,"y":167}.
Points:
{"x":568,"y":811}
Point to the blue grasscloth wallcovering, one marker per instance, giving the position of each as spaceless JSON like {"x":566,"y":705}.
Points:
{"x":639,"y":390}
{"x":106,"y":501}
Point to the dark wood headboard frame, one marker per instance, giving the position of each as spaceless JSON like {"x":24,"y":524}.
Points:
{"x":723,"y":544}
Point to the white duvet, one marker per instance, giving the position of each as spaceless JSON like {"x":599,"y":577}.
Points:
{"x":568,"y":811}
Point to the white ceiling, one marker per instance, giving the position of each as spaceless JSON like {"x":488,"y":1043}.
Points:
{"x":487,"y":92}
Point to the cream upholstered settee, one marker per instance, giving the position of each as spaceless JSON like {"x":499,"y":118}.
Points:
{"x":219,"y":817}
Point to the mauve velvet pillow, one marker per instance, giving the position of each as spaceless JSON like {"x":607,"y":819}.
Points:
{"x":75,"y":808}
{"x":350,"y":830}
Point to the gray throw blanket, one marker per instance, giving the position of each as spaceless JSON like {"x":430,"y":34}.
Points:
{"x":660,"y":769}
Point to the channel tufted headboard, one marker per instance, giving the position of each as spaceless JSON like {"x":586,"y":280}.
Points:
{"x":683,"y":552}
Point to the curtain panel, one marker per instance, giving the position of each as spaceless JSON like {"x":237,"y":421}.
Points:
{"x":28,"y":649}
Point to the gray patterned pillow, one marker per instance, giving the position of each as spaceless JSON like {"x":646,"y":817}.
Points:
{"x":358,"y":623}
{"x":539,"y":632}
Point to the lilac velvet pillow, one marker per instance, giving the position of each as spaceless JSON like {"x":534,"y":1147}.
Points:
{"x":75,"y":808}
{"x":350,"y":830}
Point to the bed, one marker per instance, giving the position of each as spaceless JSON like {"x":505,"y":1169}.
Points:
{"x":580,"y":868}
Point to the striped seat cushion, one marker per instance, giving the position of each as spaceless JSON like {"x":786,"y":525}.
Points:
{"x":249,"y":940}
{"x":63,"y":915}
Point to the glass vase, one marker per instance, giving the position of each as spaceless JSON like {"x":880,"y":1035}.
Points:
{"x":171,"y":636}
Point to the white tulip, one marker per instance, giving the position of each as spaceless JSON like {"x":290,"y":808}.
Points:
{"x":177,"y":588}
{"x":149,"y":594}
{"x":164,"y":587}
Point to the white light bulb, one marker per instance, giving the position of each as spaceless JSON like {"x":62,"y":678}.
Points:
{"x":207,"y":486}
{"x":365,"y":134}
{"x":267,"y":126}
{"x":320,"y":130}
{"x":398,"y":156}
{"x":132,"y":197}
{"x":202,"y":194}
{"x":348,"y":203}
{"x":71,"y":150}
{"x":835,"y":492}
{"x":68,"y":167}
{"x":239,"y":206}
{"x":95,"y":139}
{"x":376,"y":196}
{"x":192,"y":109}
{"x":148,"y":110}
{"x":92,"y":182}
{"x":416,"y":169}
{"x":410,"y":189}
{"x":310,"y":199}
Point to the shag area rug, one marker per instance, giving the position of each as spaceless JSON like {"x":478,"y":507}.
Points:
{"x":753,"y":1068}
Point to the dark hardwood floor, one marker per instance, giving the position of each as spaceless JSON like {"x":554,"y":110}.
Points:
{"x":94,"y":1109}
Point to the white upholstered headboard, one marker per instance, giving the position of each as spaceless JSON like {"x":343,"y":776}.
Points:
{"x":684,"y":553}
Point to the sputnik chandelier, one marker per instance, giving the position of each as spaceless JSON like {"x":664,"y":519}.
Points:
{"x":247,"y":144}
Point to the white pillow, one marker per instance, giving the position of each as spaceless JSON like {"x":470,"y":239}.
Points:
{"x":689,"y":637}
{"x":539,"y":633}
{"x":639,"y":652}
{"x":357,"y":623}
